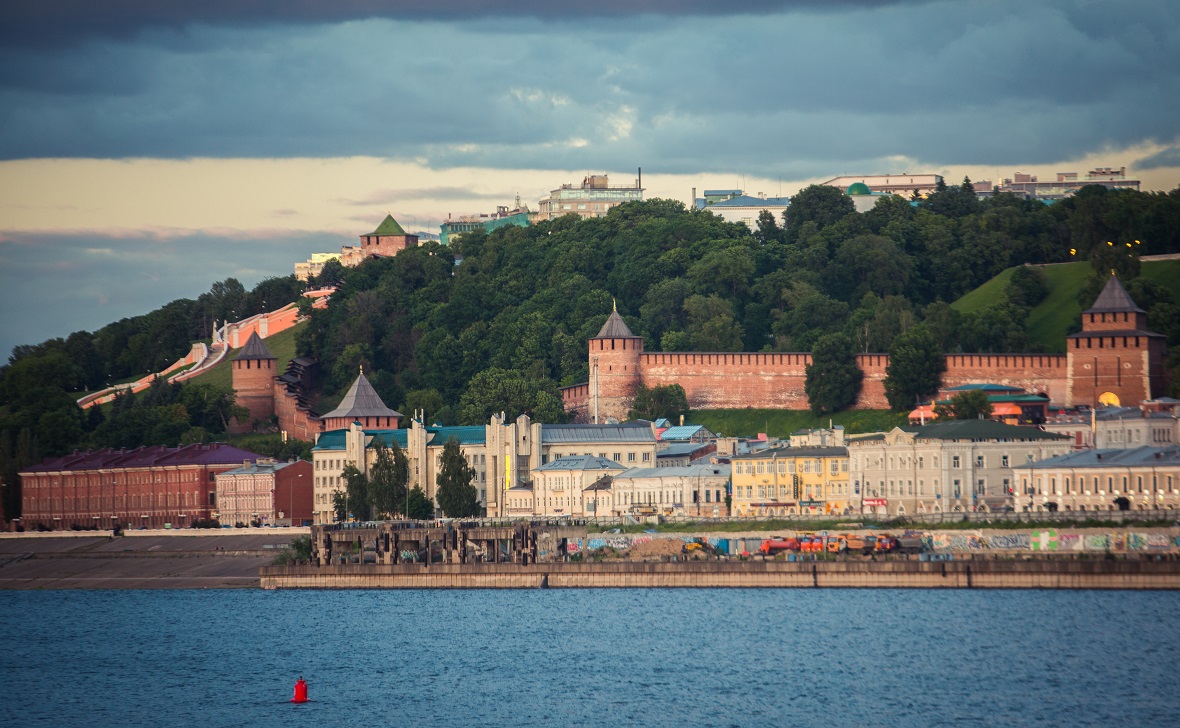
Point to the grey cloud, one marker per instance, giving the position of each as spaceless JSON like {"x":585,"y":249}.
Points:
{"x":805,"y":93}
{"x":1169,"y":157}
{"x":92,"y":280}
{"x":393,"y":196}
{"x":73,"y":21}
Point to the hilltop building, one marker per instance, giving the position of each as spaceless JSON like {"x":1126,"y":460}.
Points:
{"x":388,"y":239}
{"x":741,"y":207}
{"x":1113,"y":359}
{"x":904,"y":184}
{"x":305,"y":270}
{"x":1067,"y":183}
{"x":593,"y":198}
{"x":452,"y":230}
{"x":863,"y":198}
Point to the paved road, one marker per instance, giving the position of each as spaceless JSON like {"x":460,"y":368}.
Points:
{"x":136,"y":563}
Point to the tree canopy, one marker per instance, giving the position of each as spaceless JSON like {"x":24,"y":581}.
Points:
{"x":456,"y":496}
{"x":968,"y":405}
{"x":833,"y":379}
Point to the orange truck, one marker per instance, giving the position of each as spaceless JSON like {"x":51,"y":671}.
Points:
{"x":777,"y":545}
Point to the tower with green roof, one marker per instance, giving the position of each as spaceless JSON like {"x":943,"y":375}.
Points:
{"x":388,"y":239}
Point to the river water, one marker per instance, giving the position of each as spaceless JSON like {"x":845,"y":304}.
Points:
{"x":692,"y":657}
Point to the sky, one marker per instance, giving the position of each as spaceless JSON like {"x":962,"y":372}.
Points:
{"x":148,"y":149}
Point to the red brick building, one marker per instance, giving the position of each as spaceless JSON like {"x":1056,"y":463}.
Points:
{"x":388,"y":239}
{"x":147,"y":486}
{"x":1114,"y":356}
{"x":266,"y":492}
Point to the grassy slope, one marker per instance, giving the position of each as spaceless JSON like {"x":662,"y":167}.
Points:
{"x":1050,"y":321}
{"x":781,"y":423}
{"x":282,"y":345}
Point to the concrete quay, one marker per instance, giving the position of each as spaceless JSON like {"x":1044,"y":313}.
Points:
{"x":1046,"y":573}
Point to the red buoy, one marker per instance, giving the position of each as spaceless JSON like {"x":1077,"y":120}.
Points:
{"x":300,"y":691}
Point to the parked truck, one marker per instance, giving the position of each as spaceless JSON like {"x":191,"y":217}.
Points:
{"x":777,"y":545}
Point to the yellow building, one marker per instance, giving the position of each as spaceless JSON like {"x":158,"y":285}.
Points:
{"x":790,"y":481}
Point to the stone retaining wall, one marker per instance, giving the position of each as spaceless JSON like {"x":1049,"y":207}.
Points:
{"x":988,"y":574}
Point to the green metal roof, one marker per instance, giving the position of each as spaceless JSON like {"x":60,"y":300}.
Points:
{"x":336,"y":439}
{"x":470,"y":435}
{"x":980,"y":430}
{"x":388,"y":226}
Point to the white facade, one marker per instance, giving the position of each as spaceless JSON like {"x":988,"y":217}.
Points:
{"x":1117,"y":427}
{"x":503,"y":454}
{"x":894,"y":184}
{"x":902,"y":472}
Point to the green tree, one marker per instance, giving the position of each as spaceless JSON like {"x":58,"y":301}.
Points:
{"x":421,"y":509}
{"x":340,"y":505}
{"x":388,"y":479}
{"x":969,"y":405}
{"x":915,"y":368}
{"x":506,"y":390}
{"x":428,"y":401}
{"x":820,"y":204}
{"x":356,"y":493}
{"x":711,"y":324}
{"x":833,"y":379}
{"x":653,"y":403}
{"x":457,"y":497}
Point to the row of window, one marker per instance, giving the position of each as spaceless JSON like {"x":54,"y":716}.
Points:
{"x":816,"y":465}
{"x":919,"y":461}
{"x":808,"y":491}
{"x":1037,"y":486}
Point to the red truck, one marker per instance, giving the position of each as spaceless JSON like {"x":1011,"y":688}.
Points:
{"x":777,"y":545}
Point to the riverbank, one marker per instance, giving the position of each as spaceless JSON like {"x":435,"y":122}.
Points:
{"x":174,"y":559}
{"x":1041,"y":573}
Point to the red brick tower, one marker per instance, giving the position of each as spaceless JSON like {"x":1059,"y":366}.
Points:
{"x":1114,"y":360}
{"x":615,"y":369}
{"x":388,"y":239}
{"x":253,"y":381}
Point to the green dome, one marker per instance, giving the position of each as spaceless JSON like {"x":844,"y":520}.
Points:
{"x":859,"y":188}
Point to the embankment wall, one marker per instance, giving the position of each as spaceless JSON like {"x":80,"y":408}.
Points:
{"x":990,"y":574}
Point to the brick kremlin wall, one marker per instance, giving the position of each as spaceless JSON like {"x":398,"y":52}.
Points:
{"x":776,"y":380}
{"x":293,"y":417}
{"x":730,"y":380}
{"x":1034,"y":373}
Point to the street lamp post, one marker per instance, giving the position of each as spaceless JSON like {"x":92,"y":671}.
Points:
{"x":291,"y":499}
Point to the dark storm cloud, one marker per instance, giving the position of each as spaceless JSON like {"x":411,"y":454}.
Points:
{"x":798,"y":94}
{"x":1169,"y":157}
{"x":395,"y":196}
{"x":64,"y":21}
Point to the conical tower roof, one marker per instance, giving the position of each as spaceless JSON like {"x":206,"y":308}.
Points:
{"x":361,"y":401}
{"x":1114,"y":298}
{"x":389,"y":226}
{"x":615,"y":327}
{"x":254,"y":349}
